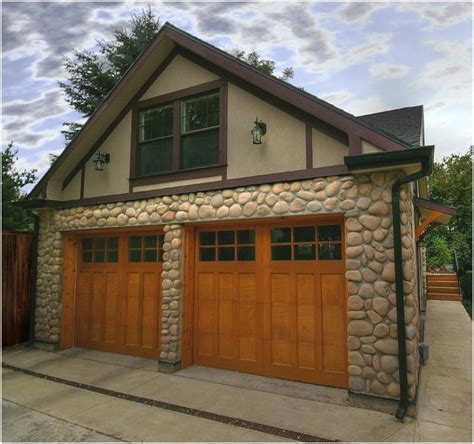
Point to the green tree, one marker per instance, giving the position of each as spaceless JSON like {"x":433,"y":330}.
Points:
{"x":13,"y":181}
{"x":266,"y":66}
{"x":451,"y":184}
{"x":92,"y":74}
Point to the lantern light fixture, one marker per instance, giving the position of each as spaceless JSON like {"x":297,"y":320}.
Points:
{"x":259,"y":130}
{"x":100,"y":160}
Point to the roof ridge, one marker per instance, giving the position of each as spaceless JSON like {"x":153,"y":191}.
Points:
{"x":391,"y":110}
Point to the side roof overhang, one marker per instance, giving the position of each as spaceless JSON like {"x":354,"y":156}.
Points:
{"x":140,"y":74}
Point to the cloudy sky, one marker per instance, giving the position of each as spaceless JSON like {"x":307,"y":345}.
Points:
{"x":363,"y":57}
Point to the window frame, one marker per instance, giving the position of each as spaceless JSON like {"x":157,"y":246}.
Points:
{"x":175,"y":99}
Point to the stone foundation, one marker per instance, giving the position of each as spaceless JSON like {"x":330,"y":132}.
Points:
{"x":365,"y":202}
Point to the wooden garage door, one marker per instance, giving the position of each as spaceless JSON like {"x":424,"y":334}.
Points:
{"x":270,"y":300}
{"x":118,"y":293}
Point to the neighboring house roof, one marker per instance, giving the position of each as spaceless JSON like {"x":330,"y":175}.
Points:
{"x":403,"y":123}
{"x":86,"y":142}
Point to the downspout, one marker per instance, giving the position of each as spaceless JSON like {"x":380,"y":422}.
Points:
{"x":34,"y":267}
{"x":426,"y":168}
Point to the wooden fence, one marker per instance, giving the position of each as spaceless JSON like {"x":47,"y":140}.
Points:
{"x":16,"y":282}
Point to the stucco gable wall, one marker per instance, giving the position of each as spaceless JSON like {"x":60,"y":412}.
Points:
{"x":179,"y":74}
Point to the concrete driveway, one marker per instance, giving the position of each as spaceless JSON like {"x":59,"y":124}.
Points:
{"x":85,"y":395}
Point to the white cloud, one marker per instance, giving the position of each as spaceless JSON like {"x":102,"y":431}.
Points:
{"x":367,"y":105}
{"x":388,"y":70}
{"x":337,"y":97}
{"x":358,"y":11}
{"x":440,"y":13}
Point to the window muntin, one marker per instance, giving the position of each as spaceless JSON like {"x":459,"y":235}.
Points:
{"x":99,"y":250}
{"x":321,"y":242}
{"x":148,"y":248}
{"x":155,"y":140}
{"x":227,"y":245}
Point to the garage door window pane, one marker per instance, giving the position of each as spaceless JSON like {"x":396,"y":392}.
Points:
{"x":305,"y":252}
{"x":99,"y":244}
{"x":246,"y":236}
{"x":281,"y":235}
{"x":245,"y":253}
{"x":304,"y":234}
{"x":99,"y":256}
{"x":281,"y":253}
{"x":149,"y":256}
{"x":225,"y":237}
{"x":135,"y":256}
{"x":207,"y":238}
{"x":149,"y":242}
{"x":112,"y":256}
{"x":329,"y":233}
{"x":87,"y":256}
{"x":226,"y":253}
{"x":87,"y":244}
{"x":135,"y":242}
{"x":330,"y":252}
{"x":207,"y":254}
{"x":112,"y":243}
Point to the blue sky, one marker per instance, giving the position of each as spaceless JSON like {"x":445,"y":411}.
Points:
{"x":363,"y":57}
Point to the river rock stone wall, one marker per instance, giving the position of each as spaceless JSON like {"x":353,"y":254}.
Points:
{"x":365,"y":201}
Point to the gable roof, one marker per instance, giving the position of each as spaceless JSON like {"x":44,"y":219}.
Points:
{"x":404,"y":123}
{"x":138,"y":75}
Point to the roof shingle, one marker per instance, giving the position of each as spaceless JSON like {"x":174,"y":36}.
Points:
{"x":403,"y":123}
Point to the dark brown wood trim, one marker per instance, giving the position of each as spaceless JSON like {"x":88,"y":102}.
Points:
{"x":83,"y":178}
{"x":194,"y":173}
{"x":209,"y":186}
{"x":304,"y":117}
{"x":169,"y":58}
{"x":181,"y":94}
{"x":309,"y":146}
{"x":355,"y":145}
{"x":311,"y":105}
{"x":430,"y":205}
{"x":176,"y":154}
{"x":133,"y":146}
{"x":223,"y":126}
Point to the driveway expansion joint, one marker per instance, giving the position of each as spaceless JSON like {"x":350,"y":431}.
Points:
{"x":228,"y":420}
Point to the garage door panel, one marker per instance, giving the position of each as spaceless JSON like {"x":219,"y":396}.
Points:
{"x":112,"y":309}
{"x":132,"y":310}
{"x":118,"y":297}
{"x":280,"y":315}
{"x":95,"y":306}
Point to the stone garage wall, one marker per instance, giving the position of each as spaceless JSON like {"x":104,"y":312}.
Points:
{"x":365,"y":202}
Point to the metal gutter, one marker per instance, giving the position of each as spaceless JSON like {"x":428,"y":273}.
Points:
{"x":424,"y":156}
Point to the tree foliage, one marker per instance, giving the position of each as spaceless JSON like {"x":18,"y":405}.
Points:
{"x":92,"y":74}
{"x":266,"y":66}
{"x":451,"y":184}
{"x":13,"y":181}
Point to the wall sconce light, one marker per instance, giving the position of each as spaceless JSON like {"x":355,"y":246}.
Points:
{"x":100,"y":161}
{"x":259,"y":130}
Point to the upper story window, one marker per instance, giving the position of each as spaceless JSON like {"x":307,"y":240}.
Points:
{"x":179,"y":135}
